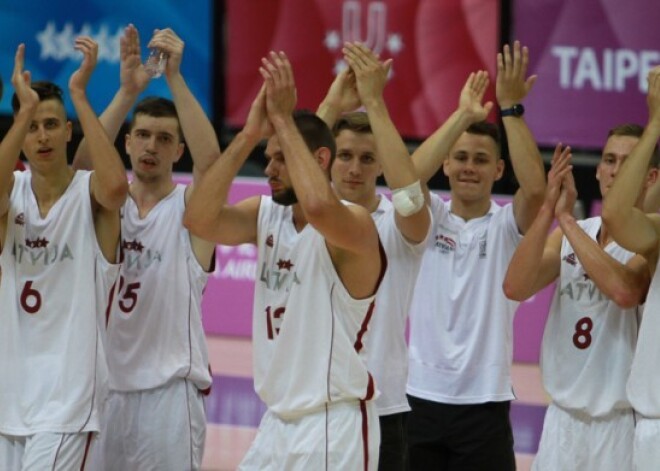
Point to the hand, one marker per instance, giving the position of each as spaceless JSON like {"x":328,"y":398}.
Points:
{"x":370,"y":73}
{"x":167,"y":41}
{"x":472,"y":95}
{"x":567,"y":197}
{"x":559,"y":168}
{"x":280,"y":86}
{"x":342,"y":94}
{"x":132,"y":76}
{"x":257,"y":123}
{"x":512,"y":87}
{"x":22,"y":82}
{"x":653,"y":96}
{"x":80,"y":78}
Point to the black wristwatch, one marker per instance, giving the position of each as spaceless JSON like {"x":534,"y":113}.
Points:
{"x":516,"y":110}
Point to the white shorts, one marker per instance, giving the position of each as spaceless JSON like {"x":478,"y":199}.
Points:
{"x":646,"y":454}
{"x":52,"y":451}
{"x":162,"y":428}
{"x":575,"y":441}
{"x":342,"y":436}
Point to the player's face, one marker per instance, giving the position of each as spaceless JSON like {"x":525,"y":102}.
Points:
{"x":153,"y":146}
{"x":278,"y":176}
{"x":472,"y":167}
{"x":355,"y":168}
{"x":48,"y":135}
{"x":616,"y":150}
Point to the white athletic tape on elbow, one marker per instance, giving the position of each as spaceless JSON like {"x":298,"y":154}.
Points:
{"x":409,"y":199}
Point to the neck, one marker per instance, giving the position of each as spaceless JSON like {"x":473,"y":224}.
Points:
{"x":470,"y":209}
{"x":147,"y":194}
{"x":299,"y":219}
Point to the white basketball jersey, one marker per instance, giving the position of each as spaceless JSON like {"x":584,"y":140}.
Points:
{"x":588,"y":342}
{"x":461,"y":324}
{"x":55,"y":283}
{"x":386,"y":347}
{"x":307,"y":331}
{"x":644,"y":382}
{"x":154,"y":333}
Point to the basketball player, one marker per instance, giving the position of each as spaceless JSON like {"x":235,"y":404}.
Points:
{"x":320,"y":264}
{"x":369,"y":145}
{"x":461,"y":324}
{"x":154,"y":417}
{"x":60,"y":230}
{"x":638,"y":232}
{"x":590,"y":334}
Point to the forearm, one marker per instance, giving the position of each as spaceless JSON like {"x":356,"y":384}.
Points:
{"x":108,"y":167}
{"x":522,"y":277}
{"x":111,"y":119}
{"x":393,"y":155}
{"x":200,"y":136}
{"x":630,"y":179}
{"x":329,"y":112}
{"x":430,"y":155}
{"x":10,"y":147}
{"x":613,"y":278}
{"x":525,"y":158}
{"x":212,"y":191}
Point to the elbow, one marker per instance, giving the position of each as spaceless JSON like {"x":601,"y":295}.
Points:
{"x":627,"y":298}
{"x":116,"y":194}
{"x":194,"y":224}
{"x":512,"y":291}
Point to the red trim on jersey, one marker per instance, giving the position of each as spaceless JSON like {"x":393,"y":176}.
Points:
{"x":108,"y":308}
{"x":363,"y":328}
{"x":365,"y":323}
{"x":88,"y":445}
{"x":371,"y":389}
{"x":365,"y":431}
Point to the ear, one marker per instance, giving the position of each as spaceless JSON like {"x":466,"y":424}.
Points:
{"x":323,"y":158}
{"x":179,"y":151}
{"x":651,"y":177}
{"x":501,"y":165}
{"x":69,"y":131}
{"x":445,"y":164}
{"x":127,"y":143}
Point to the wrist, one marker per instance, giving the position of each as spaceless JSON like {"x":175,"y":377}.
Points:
{"x":565,"y":218}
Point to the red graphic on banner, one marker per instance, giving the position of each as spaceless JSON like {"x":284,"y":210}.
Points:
{"x":435,"y":45}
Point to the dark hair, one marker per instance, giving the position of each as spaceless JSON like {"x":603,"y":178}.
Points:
{"x":315,"y":132}
{"x":635,"y":130}
{"x":157,"y":107}
{"x":45,"y":90}
{"x":484,"y":128}
{"x":357,"y":121}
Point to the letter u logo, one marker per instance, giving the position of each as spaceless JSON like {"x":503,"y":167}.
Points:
{"x":376,"y":24}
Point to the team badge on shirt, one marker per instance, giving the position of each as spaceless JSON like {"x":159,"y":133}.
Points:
{"x":570,"y":259}
{"x":20,"y":219}
{"x":269,"y":240}
{"x":445,"y":243}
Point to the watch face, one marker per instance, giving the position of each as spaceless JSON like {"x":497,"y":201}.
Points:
{"x":517,"y":110}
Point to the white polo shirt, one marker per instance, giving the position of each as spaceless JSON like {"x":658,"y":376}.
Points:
{"x":461,"y":323}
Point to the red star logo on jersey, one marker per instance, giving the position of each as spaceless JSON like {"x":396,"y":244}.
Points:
{"x":134,"y":245}
{"x":269,"y":240}
{"x":570,"y":259}
{"x":36,"y":243}
{"x":284,"y":264}
{"x":20,"y":219}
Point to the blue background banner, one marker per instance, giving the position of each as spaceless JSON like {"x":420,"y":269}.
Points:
{"x":49,"y":27}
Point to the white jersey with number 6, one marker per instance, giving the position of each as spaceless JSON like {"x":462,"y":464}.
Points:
{"x":55,"y":283}
{"x":308,"y":331}
{"x":588,"y":342}
{"x":154,"y":333}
